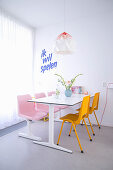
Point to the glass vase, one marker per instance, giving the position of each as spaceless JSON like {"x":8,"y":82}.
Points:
{"x":68,"y":92}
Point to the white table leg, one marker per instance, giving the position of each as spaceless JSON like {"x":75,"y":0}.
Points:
{"x":51,"y":133}
{"x":51,"y":124}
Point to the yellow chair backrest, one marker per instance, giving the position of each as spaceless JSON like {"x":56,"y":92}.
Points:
{"x":95,"y":102}
{"x":84,"y":110}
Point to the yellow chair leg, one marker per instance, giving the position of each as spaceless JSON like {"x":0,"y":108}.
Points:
{"x":87,"y":130}
{"x":77,"y":138}
{"x":91,"y":126}
{"x":82,"y":122}
{"x":60,"y":133}
{"x":70,"y":130}
{"x":45,"y":118}
{"x":97,"y":120}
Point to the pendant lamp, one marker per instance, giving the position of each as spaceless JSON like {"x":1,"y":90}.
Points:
{"x":64,"y":43}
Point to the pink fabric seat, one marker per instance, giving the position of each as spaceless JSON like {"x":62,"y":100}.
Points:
{"x":44,"y":107}
{"x":27,"y":110}
{"x":58,"y":107}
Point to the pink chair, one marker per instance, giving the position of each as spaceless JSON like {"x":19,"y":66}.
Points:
{"x":40,"y":95}
{"x":27,"y":110}
{"x":44,"y":107}
{"x":51,"y":92}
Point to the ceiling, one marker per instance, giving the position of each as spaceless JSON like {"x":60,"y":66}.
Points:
{"x":40,"y":13}
{"x":36,"y":13}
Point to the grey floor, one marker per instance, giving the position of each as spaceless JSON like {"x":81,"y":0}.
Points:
{"x":18,"y":153}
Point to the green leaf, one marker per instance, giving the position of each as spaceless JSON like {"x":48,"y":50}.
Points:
{"x":62,"y":81}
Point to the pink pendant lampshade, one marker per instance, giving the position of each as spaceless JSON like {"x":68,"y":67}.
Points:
{"x":64,"y":44}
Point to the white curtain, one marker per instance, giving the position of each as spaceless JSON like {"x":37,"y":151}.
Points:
{"x":16,"y":59}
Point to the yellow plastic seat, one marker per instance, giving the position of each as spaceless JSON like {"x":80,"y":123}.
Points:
{"x":92,"y":109}
{"x":75,"y":119}
{"x":95,"y":106}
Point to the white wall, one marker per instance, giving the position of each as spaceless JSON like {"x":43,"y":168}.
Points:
{"x":90,"y":23}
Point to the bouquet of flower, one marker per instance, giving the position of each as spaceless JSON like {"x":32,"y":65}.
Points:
{"x":67,"y":84}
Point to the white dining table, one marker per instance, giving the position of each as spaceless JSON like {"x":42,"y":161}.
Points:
{"x":52,"y":101}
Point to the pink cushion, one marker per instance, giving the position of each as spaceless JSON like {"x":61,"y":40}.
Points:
{"x":37,"y":116}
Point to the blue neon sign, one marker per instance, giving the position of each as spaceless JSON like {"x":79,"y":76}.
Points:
{"x":47,"y":63}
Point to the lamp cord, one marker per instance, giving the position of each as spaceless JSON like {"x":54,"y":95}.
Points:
{"x":64,"y":13}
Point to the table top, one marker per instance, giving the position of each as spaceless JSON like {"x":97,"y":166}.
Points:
{"x":61,"y":100}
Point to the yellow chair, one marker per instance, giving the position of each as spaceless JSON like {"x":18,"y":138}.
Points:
{"x":92,"y":110}
{"x":75,"y":119}
{"x":95,"y":106}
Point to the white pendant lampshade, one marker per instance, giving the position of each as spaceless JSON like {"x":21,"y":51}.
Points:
{"x":64,"y":44}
